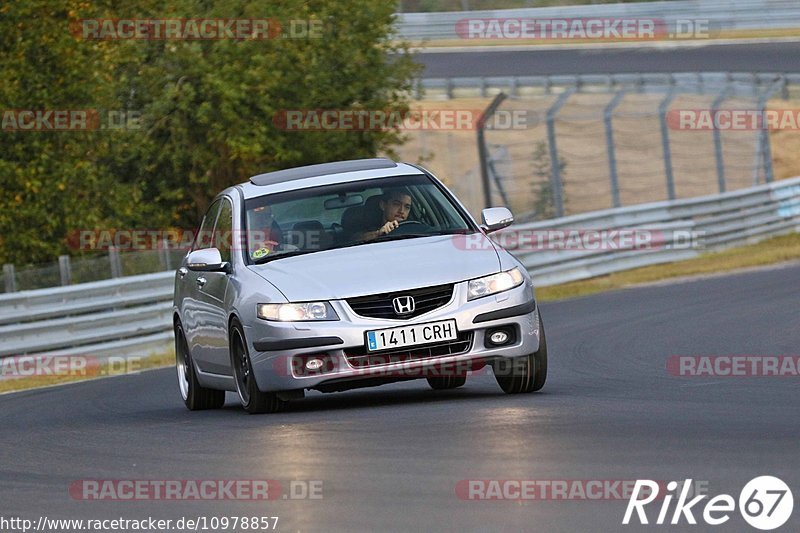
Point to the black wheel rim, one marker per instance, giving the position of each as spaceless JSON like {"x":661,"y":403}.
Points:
{"x":241,"y":368}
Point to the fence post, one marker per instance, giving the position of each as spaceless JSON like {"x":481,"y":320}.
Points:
{"x":483,"y":150}
{"x":663,"y":107}
{"x":718,"y":139}
{"x":65,"y":269}
{"x":763,"y":148}
{"x":555,"y":167}
{"x":163,"y":251}
{"x":116,"y":266}
{"x":497,"y":179}
{"x":10,"y":278}
{"x":612,"y":159}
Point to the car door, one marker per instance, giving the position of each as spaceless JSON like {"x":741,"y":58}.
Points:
{"x":193,"y":316}
{"x":211,"y":290}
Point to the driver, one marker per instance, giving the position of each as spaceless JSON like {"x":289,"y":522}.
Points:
{"x":395,"y":206}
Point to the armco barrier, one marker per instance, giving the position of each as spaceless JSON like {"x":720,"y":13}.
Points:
{"x":725,"y":16}
{"x":127,"y":316}
{"x":710,"y":222}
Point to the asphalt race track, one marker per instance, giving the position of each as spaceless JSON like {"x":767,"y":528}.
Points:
{"x":751,"y":57}
{"x":391,"y":457}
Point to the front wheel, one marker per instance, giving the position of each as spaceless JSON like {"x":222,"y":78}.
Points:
{"x":194,"y":396}
{"x":253,"y":400}
{"x":524,"y":374}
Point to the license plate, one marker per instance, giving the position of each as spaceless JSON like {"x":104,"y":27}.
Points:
{"x":390,"y":338}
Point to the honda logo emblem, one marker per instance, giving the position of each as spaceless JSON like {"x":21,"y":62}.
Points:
{"x":403,"y":305}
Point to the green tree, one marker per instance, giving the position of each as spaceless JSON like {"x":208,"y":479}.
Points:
{"x":206,"y":109}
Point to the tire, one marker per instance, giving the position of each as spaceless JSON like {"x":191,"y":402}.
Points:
{"x":196,"y":397}
{"x":525,"y":374}
{"x":446,"y":382}
{"x":253,"y":400}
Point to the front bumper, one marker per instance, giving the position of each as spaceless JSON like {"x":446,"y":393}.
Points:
{"x":275,"y":348}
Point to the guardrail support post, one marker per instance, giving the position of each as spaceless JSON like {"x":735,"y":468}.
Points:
{"x":555,"y":167}
{"x":612,"y":158}
{"x":483,"y":150}
{"x":10,"y":278}
{"x":65,"y":269}
{"x":663,"y":107}
{"x":116,"y":265}
{"x":718,"y":139}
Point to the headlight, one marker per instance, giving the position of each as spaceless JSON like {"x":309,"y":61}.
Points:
{"x":297,"y":312}
{"x":487,"y":285}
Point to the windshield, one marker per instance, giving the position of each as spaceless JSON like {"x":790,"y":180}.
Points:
{"x":349,"y":214}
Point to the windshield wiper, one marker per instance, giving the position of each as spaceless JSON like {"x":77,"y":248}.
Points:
{"x":293,"y":253}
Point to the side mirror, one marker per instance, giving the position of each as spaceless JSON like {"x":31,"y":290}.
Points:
{"x":495,"y":218}
{"x":207,"y":260}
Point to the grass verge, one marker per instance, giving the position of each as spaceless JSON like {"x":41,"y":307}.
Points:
{"x":770,"y":251}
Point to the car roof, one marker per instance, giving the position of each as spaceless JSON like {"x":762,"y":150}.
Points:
{"x":325,"y":174}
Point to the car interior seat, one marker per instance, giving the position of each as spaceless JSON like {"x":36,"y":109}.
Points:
{"x":361,"y":218}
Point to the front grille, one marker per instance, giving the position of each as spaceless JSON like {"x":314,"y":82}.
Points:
{"x":380,"y":305}
{"x":360,"y":358}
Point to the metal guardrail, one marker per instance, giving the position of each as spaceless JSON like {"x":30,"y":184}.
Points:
{"x":116,"y":317}
{"x":684,"y":229}
{"x":739,"y":83}
{"x":131,"y":316}
{"x":722,"y":16}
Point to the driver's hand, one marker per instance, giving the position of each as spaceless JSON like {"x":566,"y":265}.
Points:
{"x":389,"y":226}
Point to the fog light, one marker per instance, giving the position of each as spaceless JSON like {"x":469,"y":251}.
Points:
{"x":314,"y":364}
{"x":498,"y":337}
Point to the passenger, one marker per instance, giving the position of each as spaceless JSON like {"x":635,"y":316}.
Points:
{"x":265,"y":233}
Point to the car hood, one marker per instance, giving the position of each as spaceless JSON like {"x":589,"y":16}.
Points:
{"x":378,"y":268}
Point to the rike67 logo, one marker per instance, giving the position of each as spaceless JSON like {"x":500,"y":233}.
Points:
{"x":765,"y":503}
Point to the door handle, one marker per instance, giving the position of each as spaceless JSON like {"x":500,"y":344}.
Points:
{"x":201,"y":281}
{"x":182,"y":271}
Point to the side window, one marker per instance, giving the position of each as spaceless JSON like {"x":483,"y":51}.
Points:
{"x":203,"y":238}
{"x":223,"y":231}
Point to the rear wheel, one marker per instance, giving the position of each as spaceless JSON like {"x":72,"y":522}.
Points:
{"x":446,"y":382}
{"x":253,"y":400}
{"x":524,"y":374}
{"x":194,"y":396}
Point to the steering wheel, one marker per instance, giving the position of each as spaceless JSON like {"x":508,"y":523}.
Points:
{"x":411,"y":226}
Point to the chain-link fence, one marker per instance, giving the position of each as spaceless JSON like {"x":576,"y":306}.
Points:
{"x":106,"y":265}
{"x":617,"y":141}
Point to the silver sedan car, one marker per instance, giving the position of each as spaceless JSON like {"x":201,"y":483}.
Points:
{"x":349,"y":274}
